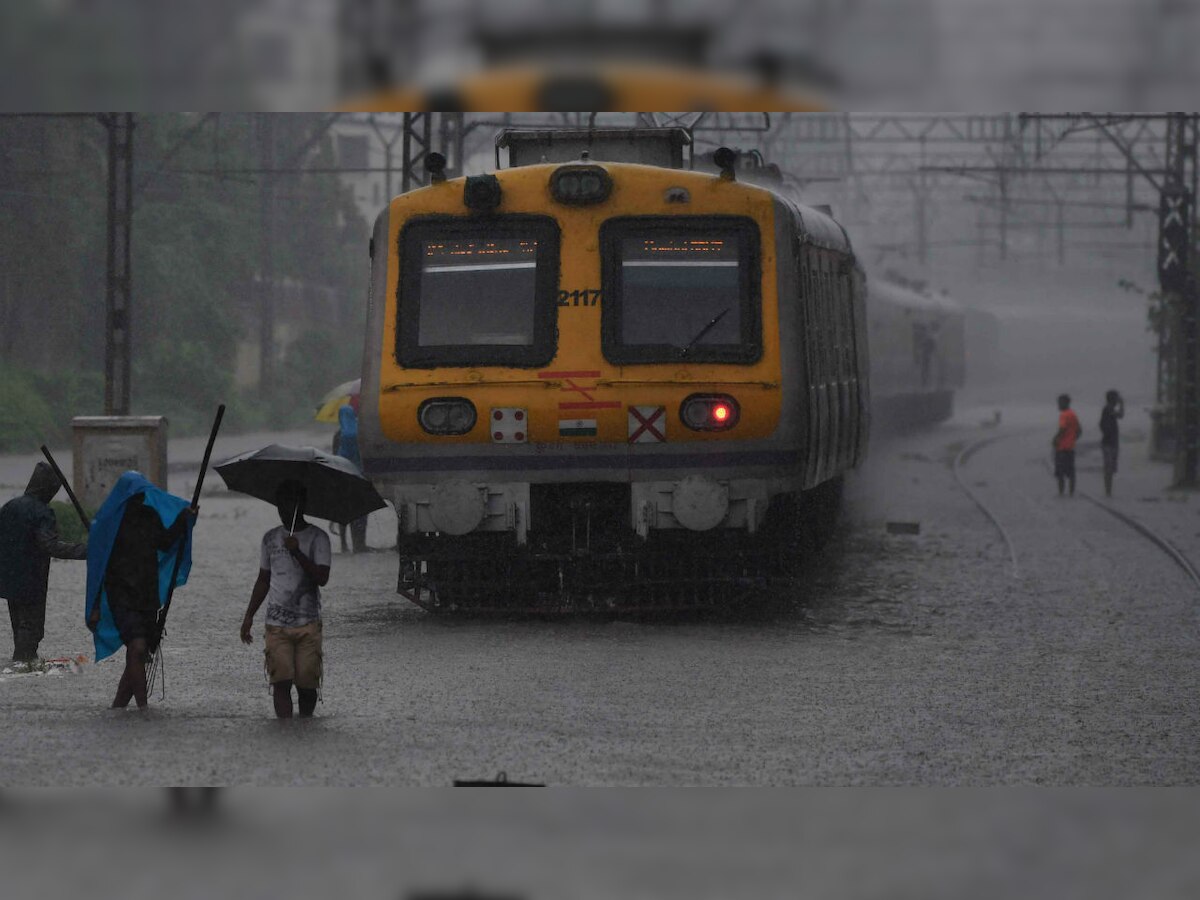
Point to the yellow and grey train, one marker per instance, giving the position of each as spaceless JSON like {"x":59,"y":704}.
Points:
{"x":595,"y":380}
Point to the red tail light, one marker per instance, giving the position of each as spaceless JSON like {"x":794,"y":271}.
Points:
{"x":709,"y":412}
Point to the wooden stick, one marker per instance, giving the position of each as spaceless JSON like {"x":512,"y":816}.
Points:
{"x":212,"y":437}
{"x":87,"y":523}
{"x":152,"y":663}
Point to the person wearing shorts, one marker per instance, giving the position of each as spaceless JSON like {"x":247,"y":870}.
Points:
{"x":1064,"y":444}
{"x":293,"y":567}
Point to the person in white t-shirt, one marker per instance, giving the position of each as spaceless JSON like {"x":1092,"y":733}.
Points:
{"x":293,"y":567}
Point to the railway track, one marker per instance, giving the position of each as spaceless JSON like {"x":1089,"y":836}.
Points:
{"x":965,"y":454}
{"x":1147,"y":532}
{"x":1164,"y":544}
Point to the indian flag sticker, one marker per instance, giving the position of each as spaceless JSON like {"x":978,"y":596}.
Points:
{"x":576,"y":427}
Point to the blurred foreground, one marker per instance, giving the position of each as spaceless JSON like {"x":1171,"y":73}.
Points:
{"x":1063,"y":844}
{"x":304,"y":55}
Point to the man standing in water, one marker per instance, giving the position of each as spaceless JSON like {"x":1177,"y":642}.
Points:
{"x":1110,"y":436}
{"x":293,"y":567}
{"x":1064,"y":444}
{"x":28,"y":538}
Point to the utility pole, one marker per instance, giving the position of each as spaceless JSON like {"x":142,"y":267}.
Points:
{"x":387,"y":144}
{"x":266,"y":286}
{"x":418,"y":143}
{"x":118,"y":298}
{"x":418,"y":128}
{"x":1177,"y":280}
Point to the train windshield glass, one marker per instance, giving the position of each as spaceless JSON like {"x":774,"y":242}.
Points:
{"x":477,"y":291}
{"x":681,"y":291}
{"x":475,"y":294}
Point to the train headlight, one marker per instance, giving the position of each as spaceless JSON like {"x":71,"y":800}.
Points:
{"x":709,"y":412}
{"x":580,"y":185}
{"x":446,"y":415}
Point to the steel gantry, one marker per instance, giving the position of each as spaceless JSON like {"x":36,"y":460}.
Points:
{"x":1158,"y":150}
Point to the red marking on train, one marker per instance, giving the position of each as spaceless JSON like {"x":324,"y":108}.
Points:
{"x":572,"y":388}
{"x":648,"y":424}
{"x":593,"y":404}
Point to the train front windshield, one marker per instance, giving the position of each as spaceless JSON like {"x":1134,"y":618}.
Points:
{"x":677,"y":290}
{"x":473,"y":295}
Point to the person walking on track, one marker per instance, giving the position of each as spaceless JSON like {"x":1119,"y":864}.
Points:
{"x":1110,"y":436}
{"x":28,"y":539}
{"x":293,"y":567}
{"x":1064,"y":444}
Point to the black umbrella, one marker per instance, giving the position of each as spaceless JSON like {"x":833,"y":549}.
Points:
{"x":337,"y":490}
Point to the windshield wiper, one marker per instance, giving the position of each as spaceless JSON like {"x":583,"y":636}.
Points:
{"x":712,"y":323}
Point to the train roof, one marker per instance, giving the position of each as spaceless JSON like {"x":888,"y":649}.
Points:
{"x":817,"y":226}
{"x":650,"y":146}
{"x":822,"y":228}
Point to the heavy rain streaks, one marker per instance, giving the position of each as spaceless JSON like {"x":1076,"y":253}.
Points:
{"x":875,"y":306}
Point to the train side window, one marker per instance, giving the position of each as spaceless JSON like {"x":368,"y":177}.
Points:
{"x":835,"y":322}
{"x":829,"y":345}
{"x":812,"y":331}
{"x":822,"y":323}
{"x":847,"y":346}
{"x":478,"y":292}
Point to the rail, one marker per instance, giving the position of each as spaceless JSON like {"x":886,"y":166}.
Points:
{"x":965,"y":454}
{"x":1176,"y":555}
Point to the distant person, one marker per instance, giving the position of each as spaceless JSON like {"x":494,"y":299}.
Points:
{"x":1110,"y":436}
{"x":28,"y":539}
{"x":1064,"y":444}
{"x":348,"y":449}
{"x":337,"y":528}
{"x":130,"y":565}
{"x":293,"y":567}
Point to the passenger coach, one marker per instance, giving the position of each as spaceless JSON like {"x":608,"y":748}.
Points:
{"x":595,"y":379}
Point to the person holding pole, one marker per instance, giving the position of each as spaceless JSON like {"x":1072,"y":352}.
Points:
{"x":131,"y":570}
{"x":293,"y":567}
{"x":28,"y":539}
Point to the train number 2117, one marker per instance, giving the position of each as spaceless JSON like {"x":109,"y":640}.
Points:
{"x":588,"y":297}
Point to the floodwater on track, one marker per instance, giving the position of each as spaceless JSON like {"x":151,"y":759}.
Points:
{"x":895,"y":659}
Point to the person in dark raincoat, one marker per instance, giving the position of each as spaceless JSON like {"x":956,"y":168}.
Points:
{"x":141,"y":550}
{"x":28,"y":539}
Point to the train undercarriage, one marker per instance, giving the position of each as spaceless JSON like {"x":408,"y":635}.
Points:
{"x":583,"y":557}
